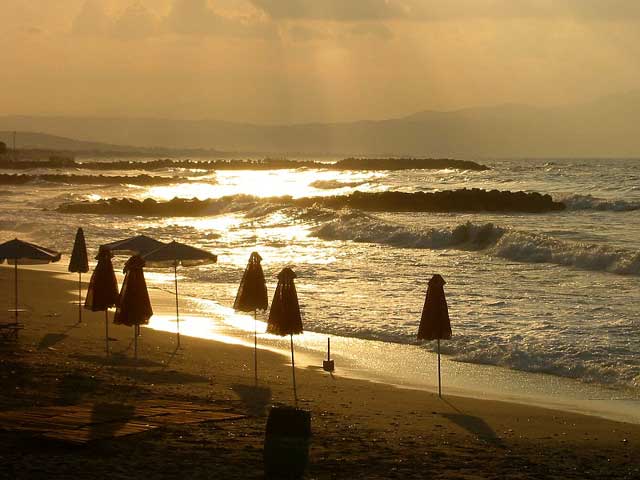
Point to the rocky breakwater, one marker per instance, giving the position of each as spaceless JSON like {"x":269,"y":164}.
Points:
{"x":464,"y":200}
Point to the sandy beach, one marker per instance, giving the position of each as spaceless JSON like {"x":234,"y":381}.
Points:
{"x":360,"y":429}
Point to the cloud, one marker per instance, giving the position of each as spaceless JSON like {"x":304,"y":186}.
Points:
{"x":185,"y":17}
{"x":377,"y":30}
{"x":340,"y":10}
{"x":92,"y":19}
{"x":438,"y":10}
{"x":195,"y":17}
{"x":136,"y":21}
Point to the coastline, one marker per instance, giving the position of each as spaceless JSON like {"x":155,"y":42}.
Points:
{"x":358,"y":421}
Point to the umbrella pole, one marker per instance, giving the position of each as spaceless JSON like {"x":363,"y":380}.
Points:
{"x":293,"y":370}
{"x":79,"y":297}
{"x":255,"y":345}
{"x":106,"y":330}
{"x":135,"y":343}
{"x":15,"y":279}
{"x":175,"y":277}
{"x":439,"y":378}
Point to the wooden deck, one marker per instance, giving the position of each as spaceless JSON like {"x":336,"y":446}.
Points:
{"x":83,"y":423}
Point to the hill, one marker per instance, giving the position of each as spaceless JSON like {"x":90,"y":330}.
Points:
{"x":604,"y":127}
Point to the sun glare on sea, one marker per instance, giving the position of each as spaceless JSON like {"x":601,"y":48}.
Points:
{"x":266,"y":183}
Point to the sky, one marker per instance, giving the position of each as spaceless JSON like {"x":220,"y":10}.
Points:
{"x":291,"y":61}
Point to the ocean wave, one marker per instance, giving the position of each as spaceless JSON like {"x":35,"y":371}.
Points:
{"x":334,"y":184}
{"x":521,"y":246}
{"x":589,"y":202}
{"x":591,"y":363}
{"x":587,"y":363}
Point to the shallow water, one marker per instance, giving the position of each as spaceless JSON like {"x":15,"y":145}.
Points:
{"x":555,"y":293}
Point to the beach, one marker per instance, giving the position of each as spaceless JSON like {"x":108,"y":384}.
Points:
{"x":360,"y":428}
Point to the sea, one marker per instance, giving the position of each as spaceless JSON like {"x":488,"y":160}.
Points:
{"x":547,"y":299}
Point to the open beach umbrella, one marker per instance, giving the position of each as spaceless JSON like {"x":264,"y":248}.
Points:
{"x":139,"y":244}
{"x":25,"y":253}
{"x":79,"y":264}
{"x":435,"y":324}
{"x":173,"y":254}
{"x":284,"y":316}
{"x":102,"y":293}
{"x":134,"y":306}
{"x":251,"y":297}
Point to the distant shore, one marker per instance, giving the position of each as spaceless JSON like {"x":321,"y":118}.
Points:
{"x":360,"y":429}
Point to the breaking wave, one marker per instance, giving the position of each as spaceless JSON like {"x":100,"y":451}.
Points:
{"x":589,"y":202}
{"x":521,"y":246}
{"x":334,"y":184}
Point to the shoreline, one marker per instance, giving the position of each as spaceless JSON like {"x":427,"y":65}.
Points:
{"x":402,"y":366}
{"x":358,"y":426}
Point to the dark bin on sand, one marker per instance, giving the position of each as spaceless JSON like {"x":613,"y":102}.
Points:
{"x":286,"y":442}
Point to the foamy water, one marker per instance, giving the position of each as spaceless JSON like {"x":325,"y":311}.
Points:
{"x":557,"y":293}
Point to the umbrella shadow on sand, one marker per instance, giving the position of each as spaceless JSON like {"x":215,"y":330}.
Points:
{"x":474,"y":425}
{"x":117,"y":360}
{"x":256,"y":399}
{"x":74,"y":386}
{"x":161,"y":376}
{"x":50,"y":339}
{"x":108,"y":418}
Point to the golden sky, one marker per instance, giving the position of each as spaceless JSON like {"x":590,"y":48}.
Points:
{"x":282,"y":61}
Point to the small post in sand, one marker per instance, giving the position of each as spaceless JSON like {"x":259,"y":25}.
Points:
{"x":106,"y":330}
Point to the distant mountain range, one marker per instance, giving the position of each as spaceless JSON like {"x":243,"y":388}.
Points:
{"x":606,"y":127}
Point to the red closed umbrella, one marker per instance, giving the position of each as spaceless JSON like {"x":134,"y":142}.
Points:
{"x":284,"y":316}
{"x":435,"y":324}
{"x":79,"y":263}
{"x":102,"y":293}
{"x":251,"y":297}
{"x":134,"y":306}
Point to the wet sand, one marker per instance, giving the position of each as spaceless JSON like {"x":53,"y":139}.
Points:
{"x":360,"y":429}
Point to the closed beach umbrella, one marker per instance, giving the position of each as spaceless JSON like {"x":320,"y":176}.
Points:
{"x":173,"y":254}
{"x":79,"y":264}
{"x":284,"y":316}
{"x":251,"y":297}
{"x":25,"y":253}
{"x":435,"y":324}
{"x":139,"y":244}
{"x":102,"y":293}
{"x":134,"y":306}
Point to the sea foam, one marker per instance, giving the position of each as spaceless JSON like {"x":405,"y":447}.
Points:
{"x":521,"y":246}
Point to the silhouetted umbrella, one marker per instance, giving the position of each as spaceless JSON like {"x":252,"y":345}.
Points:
{"x":284,"y":316}
{"x":251,"y":297}
{"x":435,"y":324}
{"x":173,"y":254}
{"x":103,"y":289}
{"x":25,"y":253}
{"x":139,"y":244}
{"x":79,"y":264}
{"x":134,"y":306}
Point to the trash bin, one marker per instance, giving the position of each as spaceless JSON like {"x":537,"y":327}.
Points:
{"x":286,"y":442}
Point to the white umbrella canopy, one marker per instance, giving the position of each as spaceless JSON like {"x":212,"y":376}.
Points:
{"x":138,"y":245}
{"x":173,"y":254}
{"x":24,"y":253}
{"x":176,"y":253}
